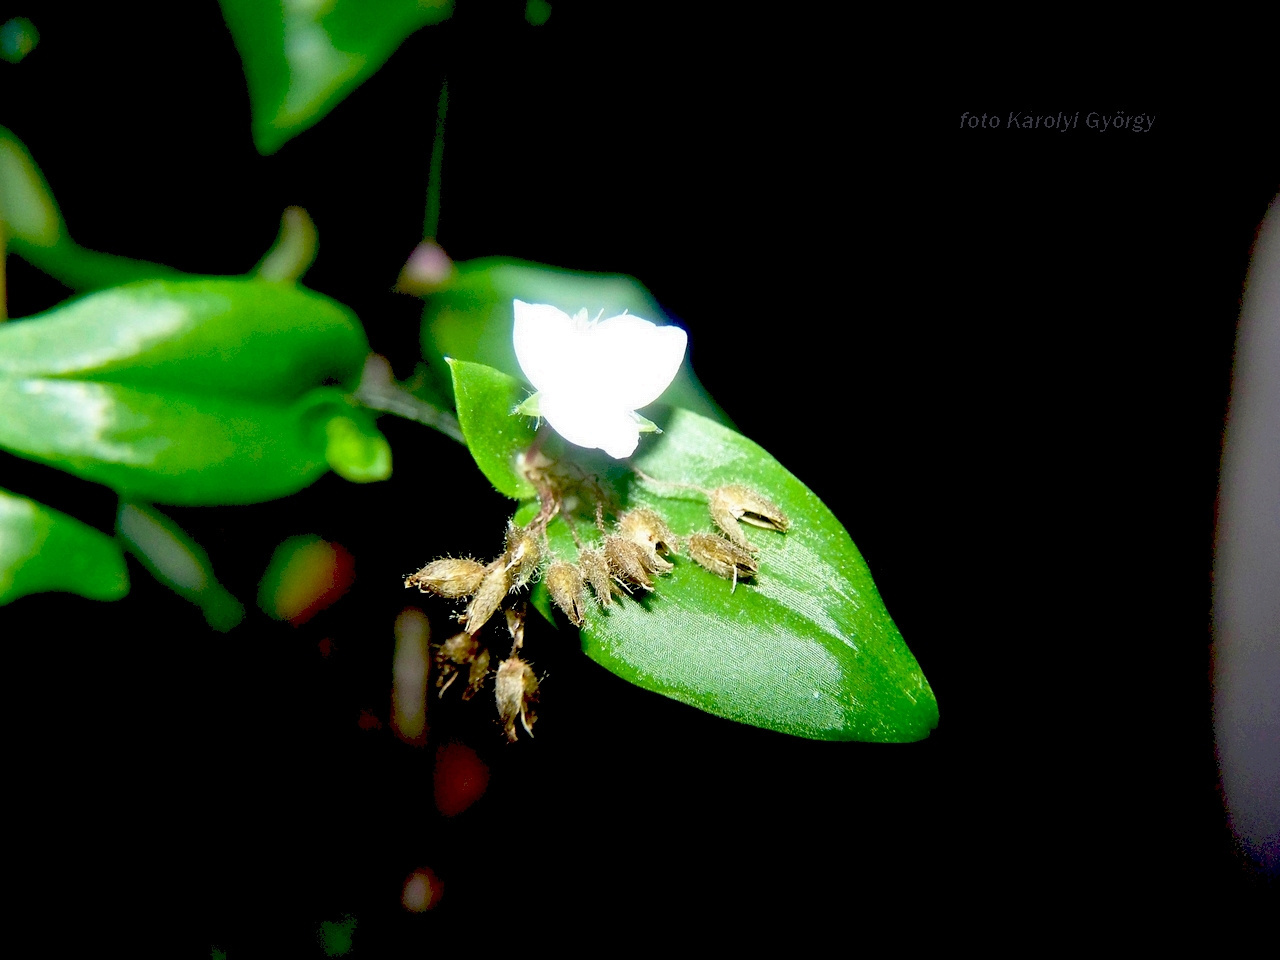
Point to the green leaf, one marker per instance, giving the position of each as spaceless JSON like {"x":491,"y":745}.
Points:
{"x":485,"y":399}
{"x":229,"y":336}
{"x":173,"y":447}
{"x":191,"y":392}
{"x":35,"y":230}
{"x":469,"y":316}
{"x":42,"y":549}
{"x":302,"y":57}
{"x":177,"y":561}
{"x":806,"y":647}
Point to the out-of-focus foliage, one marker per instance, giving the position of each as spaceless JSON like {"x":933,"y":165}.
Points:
{"x":302,"y":57}
{"x":172,"y":557}
{"x":42,"y":549}
{"x":805,"y":647}
{"x":34,"y":228}
{"x":197,"y":391}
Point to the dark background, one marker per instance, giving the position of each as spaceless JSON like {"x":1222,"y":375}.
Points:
{"x":1001,"y":357}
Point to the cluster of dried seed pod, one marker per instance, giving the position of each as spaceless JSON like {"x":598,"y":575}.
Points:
{"x":486,"y":588}
{"x":630,"y":557}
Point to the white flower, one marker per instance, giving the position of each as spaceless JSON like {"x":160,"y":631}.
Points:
{"x":591,"y":375}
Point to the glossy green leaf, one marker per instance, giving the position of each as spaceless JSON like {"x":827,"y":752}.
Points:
{"x":173,"y":447}
{"x":806,"y":647}
{"x":42,"y":549}
{"x":233,"y":337}
{"x":301,"y":57}
{"x":197,"y":391}
{"x":35,"y":230}
{"x":176,"y":560}
{"x":485,"y":400}
{"x":469,"y":316}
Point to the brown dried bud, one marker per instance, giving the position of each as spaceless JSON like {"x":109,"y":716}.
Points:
{"x":515,"y":690}
{"x":734,"y":502}
{"x":448,"y":577}
{"x":596,"y":571}
{"x":628,"y":563}
{"x":492,"y":591}
{"x":722,"y":557}
{"x":522,"y":555}
{"x":460,"y":650}
{"x":564,"y":583}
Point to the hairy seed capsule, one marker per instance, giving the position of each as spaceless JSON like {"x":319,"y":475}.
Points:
{"x":448,"y":577}
{"x":515,"y":691}
{"x":722,"y":557}
{"x":596,"y":570}
{"x":627,"y":562}
{"x":564,"y":583}
{"x":492,"y":591}
{"x":734,"y":502}
{"x":647,"y":528}
{"x":462,"y":650}
{"x":522,"y":555}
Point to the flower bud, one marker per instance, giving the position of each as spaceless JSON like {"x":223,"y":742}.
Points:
{"x":564,"y":583}
{"x":448,"y":577}
{"x":722,"y":557}
{"x":734,"y":502}
{"x":515,"y":690}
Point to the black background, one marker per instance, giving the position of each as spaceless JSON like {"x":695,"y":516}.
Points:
{"x":1001,"y":357}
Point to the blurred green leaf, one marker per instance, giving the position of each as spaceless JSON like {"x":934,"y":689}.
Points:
{"x":18,"y":37}
{"x":42,"y":549}
{"x":174,"y":447}
{"x":36,"y":232}
{"x":806,"y":647}
{"x":302,"y":57}
{"x":200,"y":391}
{"x":177,"y":561}
{"x":233,"y":337}
{"x":469,"y":316}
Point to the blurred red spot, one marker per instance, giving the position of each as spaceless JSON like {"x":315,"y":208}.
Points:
{"x":461,"y":778}
{"x":326,"y":647}
{"x":369,"y":720}
{"x":305,"y":575}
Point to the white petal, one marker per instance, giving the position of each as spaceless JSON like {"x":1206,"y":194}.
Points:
{"x":634,"y":360}
{"x":546,"y":341}
{"x":591,"y":425}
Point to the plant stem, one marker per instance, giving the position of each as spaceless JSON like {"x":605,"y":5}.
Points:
{"x":431,"y":223}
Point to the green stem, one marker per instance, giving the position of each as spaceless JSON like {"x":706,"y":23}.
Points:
{"x":431,"y":223}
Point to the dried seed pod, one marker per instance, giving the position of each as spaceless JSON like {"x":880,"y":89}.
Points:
{"x":596,"y":570}
{"x":492,"y":591}
{"x":461,"y":650}
{"x":628,"y":563}
{"x":448,"y":577}
{"x":722,"y":557}
{"x":564,"y":583}
{"x":734,"y":502}
{"x":647,"y":528}
{"x":522,"y":555}
{"x":515,"y":691}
